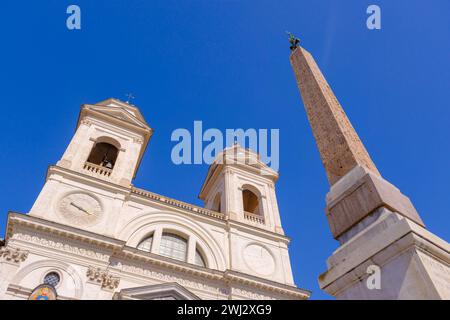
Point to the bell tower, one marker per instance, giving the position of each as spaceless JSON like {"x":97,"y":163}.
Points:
{"x":109,"y":142}
{"x":242,"y":187}
{"x":91,"y":234}
{"x":89,"y":185}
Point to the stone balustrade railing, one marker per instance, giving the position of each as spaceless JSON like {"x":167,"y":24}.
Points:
{"x":96,"y":169}
{"x":179,"y":204}
{"x":253,"y":217}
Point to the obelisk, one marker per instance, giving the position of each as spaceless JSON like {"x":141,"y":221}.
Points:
{"x":385,"y":251}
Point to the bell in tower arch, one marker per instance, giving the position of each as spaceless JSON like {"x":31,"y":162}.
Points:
{"x":103,"y":154}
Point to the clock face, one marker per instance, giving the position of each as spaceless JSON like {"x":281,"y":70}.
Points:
{"x":80,"y":209}
{"x":259,"y":259}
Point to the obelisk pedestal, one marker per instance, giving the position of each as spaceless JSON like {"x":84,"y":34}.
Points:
{"x":385,"y":251}
{"x":410,"y":262}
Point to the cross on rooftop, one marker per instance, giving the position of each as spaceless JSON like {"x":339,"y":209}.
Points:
{"x":130,"y":97}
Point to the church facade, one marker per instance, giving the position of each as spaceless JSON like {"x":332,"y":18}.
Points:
{"x":92,"y":235}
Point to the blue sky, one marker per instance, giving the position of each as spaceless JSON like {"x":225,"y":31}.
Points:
{"x":227,"y":63}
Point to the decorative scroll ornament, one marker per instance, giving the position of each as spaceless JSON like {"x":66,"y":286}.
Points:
{"x":13,"y":254}
{"x":86,"y":122}
{"x":102,"y":277}
{"x":138,"y":140}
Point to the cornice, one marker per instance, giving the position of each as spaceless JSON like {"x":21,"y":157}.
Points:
{"x":87,"y":109}
{"x":252,"y":281}
{"x":135,"y":255}
{"x":227,"y":276}
{"x":120,"y":253}
{"x":18,"y":219}
{"x":257,"y":231}
{"x":129,"y":107}
{"x":81,"y":177}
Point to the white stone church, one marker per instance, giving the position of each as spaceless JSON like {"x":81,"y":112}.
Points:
{"x":92,"y":235}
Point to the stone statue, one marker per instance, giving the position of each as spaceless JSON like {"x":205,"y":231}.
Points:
{"x":293,"y":41}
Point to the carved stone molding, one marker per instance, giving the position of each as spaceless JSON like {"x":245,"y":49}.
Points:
{"x":138,"y":140}
{"x":251,"y":295}
{"x":166,"y":277}
{"x":102,"y":277}
{"x":13,"y":254}
{"x":86,"y":122}
{"x":59,"y":245}
{"x":228,"y":171}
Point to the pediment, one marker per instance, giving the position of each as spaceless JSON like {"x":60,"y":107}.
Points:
{"x":120,"y":110}
{"x":116,"y":103}
{"x":119,"y":113}
{"x":163,"y":291}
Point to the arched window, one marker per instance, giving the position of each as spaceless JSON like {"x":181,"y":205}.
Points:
{"x":199,"y":260}
{"x":173,"y":246}
{"x":250,"y":202}
{"x":52,"y":279}
{"x":103,"y":154}
{"x":146,"y":244}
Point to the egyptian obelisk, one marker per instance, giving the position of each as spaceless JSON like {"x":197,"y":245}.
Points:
{"x":385,"y":250}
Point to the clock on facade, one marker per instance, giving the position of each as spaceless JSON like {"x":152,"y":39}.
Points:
{"x":80,"y":209}
{"x":259,"y":259}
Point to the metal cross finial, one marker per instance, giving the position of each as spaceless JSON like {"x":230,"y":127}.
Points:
{"x":293,"y":41}
{"x":130,"y":97}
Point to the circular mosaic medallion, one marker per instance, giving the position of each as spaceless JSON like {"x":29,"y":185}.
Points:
{"x":43,"y":292}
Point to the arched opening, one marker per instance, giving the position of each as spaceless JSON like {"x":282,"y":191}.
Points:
{"x":217,"y":205}
{"x":199,"y":260}
{"x":250,"y":202}
{"x":146,"y":244}
{"x":103,"y":154}
{"x":173,"y":246}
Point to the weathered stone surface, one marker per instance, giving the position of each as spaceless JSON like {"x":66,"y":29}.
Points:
{"x":414,"y":263}
{"x":339,"y":145}
{"x":88,"y":225}
{"x":366,"y":193}
{"x":377,"y":226}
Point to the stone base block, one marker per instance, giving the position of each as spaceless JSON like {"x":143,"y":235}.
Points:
{"x":360,"y":193}
{"x":412,"y":263}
